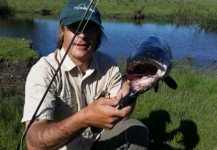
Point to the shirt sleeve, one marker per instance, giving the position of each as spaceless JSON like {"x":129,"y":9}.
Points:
{"x":115,"y":82}
{"x":36,"y":84}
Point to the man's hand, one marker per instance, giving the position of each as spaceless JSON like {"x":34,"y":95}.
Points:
{"x":102,"y":112}
{"x":126,"y":89}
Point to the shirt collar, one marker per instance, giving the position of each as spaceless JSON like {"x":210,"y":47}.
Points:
{"x":68,"y":64}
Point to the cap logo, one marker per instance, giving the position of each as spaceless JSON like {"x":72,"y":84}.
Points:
{"x":84,"y":7}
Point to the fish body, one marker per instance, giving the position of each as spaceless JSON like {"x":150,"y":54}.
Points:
{"x":149,"y":63}
{"x":146,"y":66}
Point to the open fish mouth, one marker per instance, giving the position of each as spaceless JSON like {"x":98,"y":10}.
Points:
{"x":149,"y":63}
{"x":146,"y":66}
{"x":144,"y":74}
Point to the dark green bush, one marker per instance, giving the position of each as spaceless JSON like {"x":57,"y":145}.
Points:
{"x":5,"y":9}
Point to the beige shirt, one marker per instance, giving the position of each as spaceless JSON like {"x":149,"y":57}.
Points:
{"x":70,"y":91}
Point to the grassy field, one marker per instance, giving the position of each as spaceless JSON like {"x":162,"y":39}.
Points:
{"x":181,"y":119}
{"x":184,"y":118}
{"x":178,"y":10}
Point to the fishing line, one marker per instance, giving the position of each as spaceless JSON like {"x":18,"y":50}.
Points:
{"x":54,"y":76}
{"x":82,"y":31}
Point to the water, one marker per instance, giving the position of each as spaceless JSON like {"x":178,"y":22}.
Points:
{"x":122,"y":37}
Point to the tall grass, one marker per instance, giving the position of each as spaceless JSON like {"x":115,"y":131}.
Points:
{"x":11,"y":128}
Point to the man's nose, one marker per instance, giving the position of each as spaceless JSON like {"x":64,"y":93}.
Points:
{"x":81,"y":35}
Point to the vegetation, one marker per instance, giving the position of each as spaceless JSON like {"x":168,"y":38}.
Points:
{"x":180,"y":119}
{"x":5,"y":9}
{"x":16,"y":48}
{"x":201,"y":12}
{"x":32,"y":6}
{"x":184,"y":118}
{"x":10,"y":113}
{"x":170,"y":10}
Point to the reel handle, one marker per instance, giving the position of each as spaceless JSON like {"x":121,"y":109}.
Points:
{"x":128,"y":99}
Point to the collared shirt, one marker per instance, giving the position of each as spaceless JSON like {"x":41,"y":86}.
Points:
{"x":70,"y":90}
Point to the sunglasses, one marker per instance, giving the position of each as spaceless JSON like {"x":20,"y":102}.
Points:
{"x":87,"y":28}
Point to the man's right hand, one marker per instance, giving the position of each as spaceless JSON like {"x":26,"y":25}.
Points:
{"x":103,"y":114}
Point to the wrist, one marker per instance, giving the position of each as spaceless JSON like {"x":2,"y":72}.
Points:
{"x":82,"y":118}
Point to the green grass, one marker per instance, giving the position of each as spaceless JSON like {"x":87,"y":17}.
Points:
{"x":33,"y":6}
{"x":16,"y":48}
{"x":10,"y":114}
{"x":176,"y":10}
{"x":183,"y":118}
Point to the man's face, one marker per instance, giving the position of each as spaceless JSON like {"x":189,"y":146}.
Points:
{"x":84,"y":42}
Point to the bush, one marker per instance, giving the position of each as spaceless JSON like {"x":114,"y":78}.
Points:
{"x":5,"y":10}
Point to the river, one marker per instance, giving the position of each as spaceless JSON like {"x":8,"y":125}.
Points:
{"x":185,"y":41}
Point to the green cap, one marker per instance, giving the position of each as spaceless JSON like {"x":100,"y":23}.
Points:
{"x":74,"y":11}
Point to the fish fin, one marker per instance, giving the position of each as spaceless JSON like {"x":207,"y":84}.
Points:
{"x":170,"y":82}
{"x":156,"y":87}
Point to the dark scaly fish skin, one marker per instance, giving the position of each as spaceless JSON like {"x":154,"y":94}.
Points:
{"x":151,"y":61}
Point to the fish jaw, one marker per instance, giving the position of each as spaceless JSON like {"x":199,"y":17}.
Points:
{"x":145,"y":74}
{"x":143,"y":84}
{"x":149,"y":63}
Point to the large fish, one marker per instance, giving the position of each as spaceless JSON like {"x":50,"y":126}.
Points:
{"x":149,"y":63}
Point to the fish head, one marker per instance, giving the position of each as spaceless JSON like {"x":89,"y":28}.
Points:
{"x":149,"y":63}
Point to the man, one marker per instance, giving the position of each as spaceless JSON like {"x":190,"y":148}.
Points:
{"x":84,"y":93}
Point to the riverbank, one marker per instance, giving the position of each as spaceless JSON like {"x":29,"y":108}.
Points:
{"x":170,"y":10}
{"x":16,"y":58}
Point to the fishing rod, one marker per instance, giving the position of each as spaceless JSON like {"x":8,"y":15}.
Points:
{"x":77,"y":32}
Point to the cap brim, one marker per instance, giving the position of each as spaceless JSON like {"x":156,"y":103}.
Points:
{"x":68,"y":21}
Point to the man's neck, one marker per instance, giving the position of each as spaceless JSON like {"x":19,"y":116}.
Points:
{"x":83,"y":65}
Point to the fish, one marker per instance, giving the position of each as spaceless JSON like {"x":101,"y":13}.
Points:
{"x":149,"y":63}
